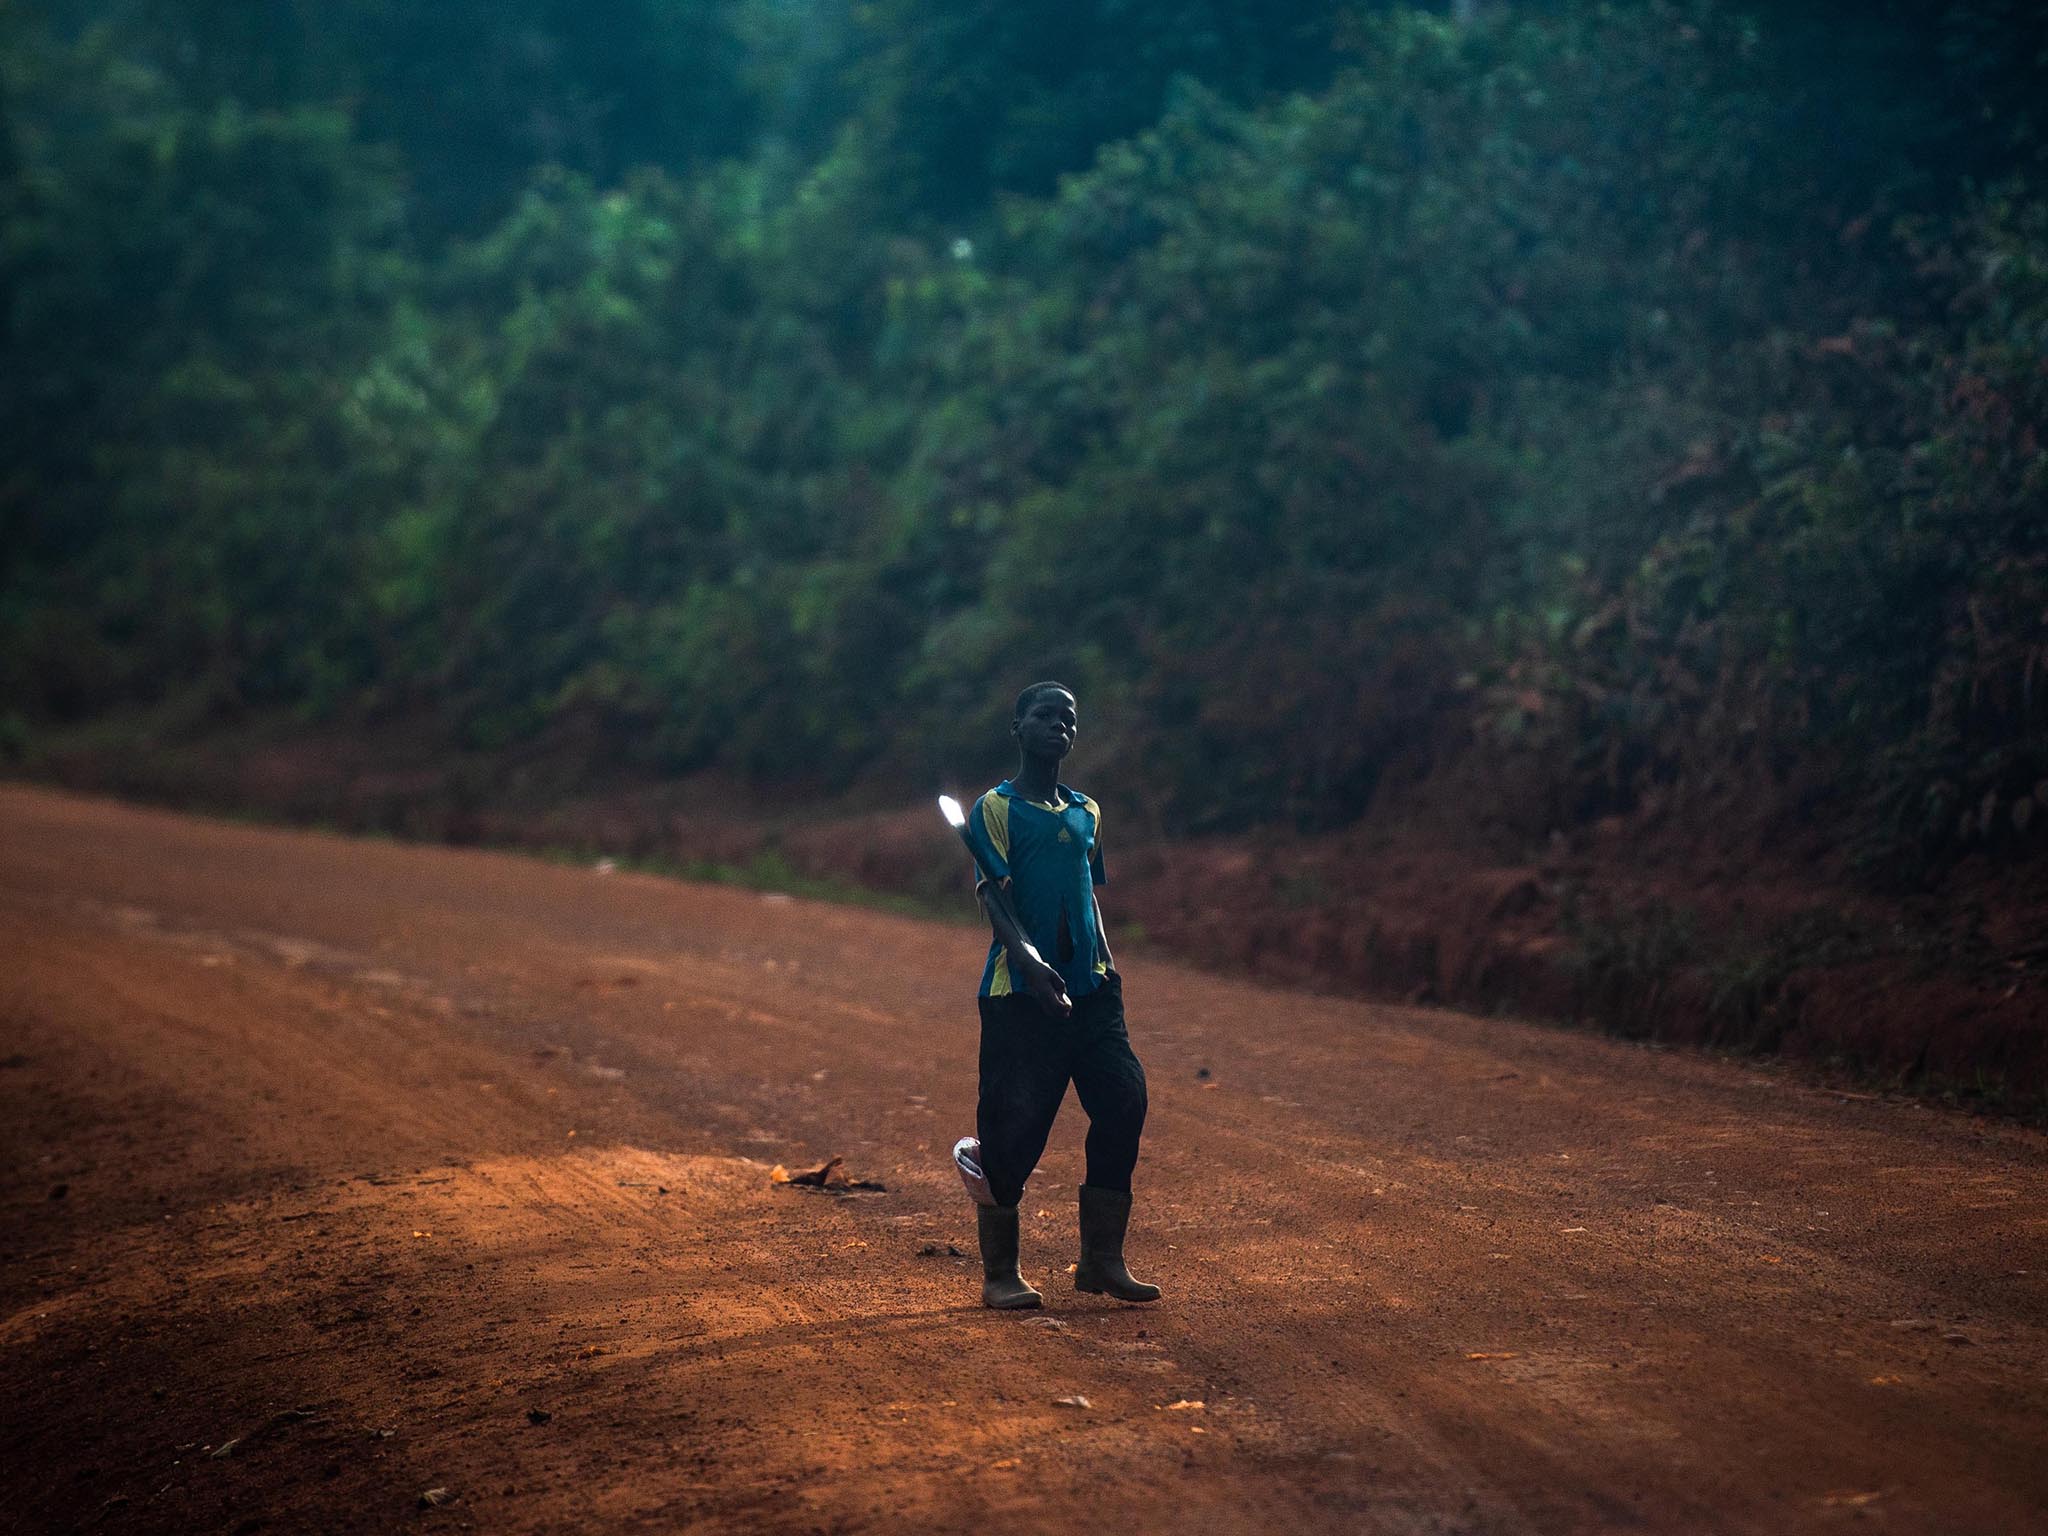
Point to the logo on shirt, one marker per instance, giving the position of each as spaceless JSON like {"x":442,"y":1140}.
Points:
{"x":1065,"y":836}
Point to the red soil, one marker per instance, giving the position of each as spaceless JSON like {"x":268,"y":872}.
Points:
{"x":338,"y":1172}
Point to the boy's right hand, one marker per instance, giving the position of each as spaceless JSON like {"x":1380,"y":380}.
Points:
{"x":1044,"y":983}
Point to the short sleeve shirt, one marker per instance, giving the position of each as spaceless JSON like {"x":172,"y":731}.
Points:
{"x":1052,"y":856}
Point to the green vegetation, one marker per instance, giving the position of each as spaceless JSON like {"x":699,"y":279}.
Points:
{"x":1649,"y":398}
{"x":1657,"y":972}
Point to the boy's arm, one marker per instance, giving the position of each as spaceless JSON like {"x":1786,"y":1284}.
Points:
{"x":1097,"y":878}
{"x":1026,"y":964}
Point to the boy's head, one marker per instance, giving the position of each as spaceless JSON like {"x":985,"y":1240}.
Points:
{"x":1046,"y":720}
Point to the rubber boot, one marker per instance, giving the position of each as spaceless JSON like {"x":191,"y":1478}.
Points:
{"x":1105,"y":1213}
{"x":1002,"y":1287}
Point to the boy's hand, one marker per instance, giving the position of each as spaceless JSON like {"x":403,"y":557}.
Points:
{"x":1043,"y":983}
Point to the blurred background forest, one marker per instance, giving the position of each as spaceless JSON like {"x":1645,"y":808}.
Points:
{"x":1546,"y":411}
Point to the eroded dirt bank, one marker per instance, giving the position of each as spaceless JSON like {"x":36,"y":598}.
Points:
{"x":338,"y":1172}
{"x":1712,"y":922}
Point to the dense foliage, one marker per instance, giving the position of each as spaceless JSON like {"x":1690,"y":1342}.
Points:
{"x":1644,"y":397}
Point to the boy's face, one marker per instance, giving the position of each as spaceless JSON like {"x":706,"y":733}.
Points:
{"x":1048,"y":725}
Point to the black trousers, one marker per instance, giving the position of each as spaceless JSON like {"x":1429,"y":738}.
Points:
{"x":1027,"y":1059}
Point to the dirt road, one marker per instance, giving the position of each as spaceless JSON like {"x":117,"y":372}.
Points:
{"x":339,"y":1171}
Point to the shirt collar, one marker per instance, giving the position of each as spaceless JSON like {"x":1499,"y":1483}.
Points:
{"x":1009,"y":791}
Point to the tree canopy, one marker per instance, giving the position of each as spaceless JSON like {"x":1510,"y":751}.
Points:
{"x":1638,"y":396}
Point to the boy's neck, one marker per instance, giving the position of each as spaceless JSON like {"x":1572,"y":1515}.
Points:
{"x":1038,"y":778}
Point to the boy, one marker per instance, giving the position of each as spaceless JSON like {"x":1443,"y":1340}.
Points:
{"x":1051,"y":1009}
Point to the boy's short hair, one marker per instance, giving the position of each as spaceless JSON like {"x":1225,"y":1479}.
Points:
{"x":1030,"y":695}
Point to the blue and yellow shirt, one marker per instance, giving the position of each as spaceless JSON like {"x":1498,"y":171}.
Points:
{"x":1052,"y":856}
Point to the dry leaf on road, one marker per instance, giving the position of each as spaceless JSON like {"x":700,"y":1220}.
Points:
{"x":829,"y":1175}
